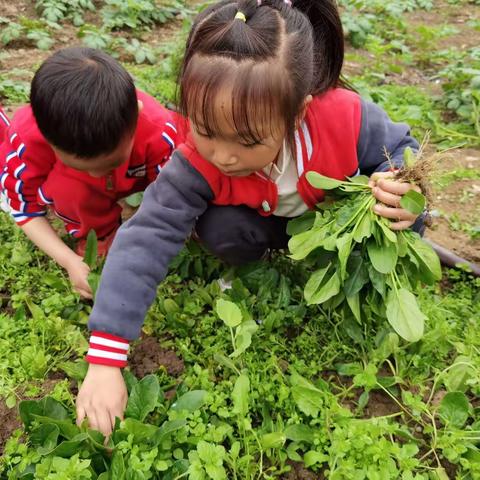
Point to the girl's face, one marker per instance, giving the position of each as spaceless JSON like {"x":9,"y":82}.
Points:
{"x":227,"y":150}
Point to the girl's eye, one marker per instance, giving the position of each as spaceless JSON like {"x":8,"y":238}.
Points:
{"x":204,"y":134}
{"x":251,"y":145}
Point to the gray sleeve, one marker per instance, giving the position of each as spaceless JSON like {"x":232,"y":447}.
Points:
{"x":378,"y":132}
{"x":145,"y":245}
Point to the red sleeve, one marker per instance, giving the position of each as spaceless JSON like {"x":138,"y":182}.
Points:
{"x":160,"y":148}
{"x":26,"y":160}
{"x":4,"y":124}
{"x":159,"y":131}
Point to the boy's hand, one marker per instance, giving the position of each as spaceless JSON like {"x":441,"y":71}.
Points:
{"x":389,"y":192}
{"x":102,"y":397}
{"x":78,"y":272}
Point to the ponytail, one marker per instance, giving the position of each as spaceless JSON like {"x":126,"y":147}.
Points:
{"x":326,"y":29}
{"x":329,"y":46}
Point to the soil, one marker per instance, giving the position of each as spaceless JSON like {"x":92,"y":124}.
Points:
{"x":443,"y":14}
{"x":9,"y":417}
{"x":9,"y":422}
{"x":379,"y":405}
{"x":149,"y":356}
{"x":299,"y":472}
{"x":458,"y":206}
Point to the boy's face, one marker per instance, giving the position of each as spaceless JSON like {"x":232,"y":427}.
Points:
{"x":103,"y":164}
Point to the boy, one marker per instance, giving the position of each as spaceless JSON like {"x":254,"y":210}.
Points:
{"x":86,"y":140}
{"x":4,"y":123}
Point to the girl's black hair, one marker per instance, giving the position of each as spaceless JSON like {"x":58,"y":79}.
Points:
{"x":84,"y":101}
{"x":267,"y":64}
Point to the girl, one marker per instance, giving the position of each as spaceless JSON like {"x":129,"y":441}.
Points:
{"x":260,"y":87}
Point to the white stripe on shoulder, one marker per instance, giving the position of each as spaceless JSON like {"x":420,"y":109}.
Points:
{"x":43,"y":197}
{"x":172,"y":126}
{"x":308,"y":140}
{"x":168,"y":139}
{"x":299,"y":155}
{"x":105,"y":342}
{"x":5,"y":119}
{"x":93,"y":352}
{"x":13,"y":137}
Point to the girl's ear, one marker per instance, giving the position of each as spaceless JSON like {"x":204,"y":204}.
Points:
{"x":303,"y":111}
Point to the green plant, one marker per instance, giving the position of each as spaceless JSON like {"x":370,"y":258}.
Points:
{"x":36,"y":31}
{"x":138,"y":14}
{"x":92,"y":259}
{"x":141,"y":52}
{"x":356,"y":255}
{"x":56,"y":11}
{"x":95,"y":37}
{"x":14,"y":91}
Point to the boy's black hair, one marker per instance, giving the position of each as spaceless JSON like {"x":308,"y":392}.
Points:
{"x":84,"y":101}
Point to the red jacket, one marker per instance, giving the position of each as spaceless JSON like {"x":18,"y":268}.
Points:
{"x":326,"y":143}
{"x":27,"y":161}
{"x":4,"y":123}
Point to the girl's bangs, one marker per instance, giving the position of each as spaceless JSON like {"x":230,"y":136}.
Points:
{"x":251,"y":96}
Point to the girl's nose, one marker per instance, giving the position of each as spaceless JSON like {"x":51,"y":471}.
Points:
{"x":225,"y":159}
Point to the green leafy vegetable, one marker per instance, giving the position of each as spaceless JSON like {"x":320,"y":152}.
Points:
{"x":361,"y":261}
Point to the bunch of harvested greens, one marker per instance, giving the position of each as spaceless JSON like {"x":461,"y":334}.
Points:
{"x":362,"y":267}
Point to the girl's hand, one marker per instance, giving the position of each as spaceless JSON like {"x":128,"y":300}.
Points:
{"x":102,"y":397}
{"x":389,"y":192}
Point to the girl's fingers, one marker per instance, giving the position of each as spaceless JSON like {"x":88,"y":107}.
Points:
{"x":398,"y":214}
{"x":403,"y":225}
{"x":375,"y":177}
{"x":397,"y":188}
{"x":386,"y":197}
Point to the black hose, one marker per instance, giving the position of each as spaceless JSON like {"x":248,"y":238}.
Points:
{"x":450,"y":259}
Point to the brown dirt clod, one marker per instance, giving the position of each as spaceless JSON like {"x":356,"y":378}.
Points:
{"x":148,"y":356}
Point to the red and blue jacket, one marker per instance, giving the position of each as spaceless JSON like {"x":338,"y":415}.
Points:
{"x":340,"y":136}
{"x":31,"y":174}
{"x":4,"y":124}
